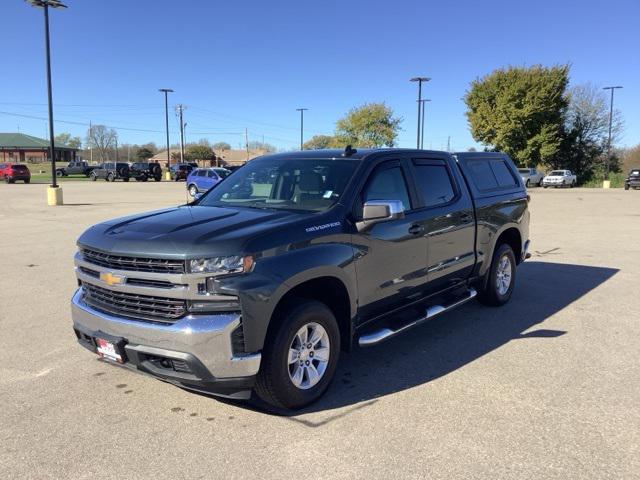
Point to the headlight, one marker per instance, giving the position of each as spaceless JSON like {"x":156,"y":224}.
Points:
{"x":221,"y":265}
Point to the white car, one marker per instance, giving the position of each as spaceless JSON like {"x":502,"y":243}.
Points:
{"x":560,"y":178}
{"x":531,"y":176}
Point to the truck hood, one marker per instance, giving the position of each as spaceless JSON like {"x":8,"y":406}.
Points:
{"x":186,"y":231}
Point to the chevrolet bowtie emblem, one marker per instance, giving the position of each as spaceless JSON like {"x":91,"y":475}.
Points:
{"x":112,"y":279}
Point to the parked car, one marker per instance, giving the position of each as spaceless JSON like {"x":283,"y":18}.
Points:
{"x":531,"y":176}
{"x":143,"y":171}
{"x":633,"y":179}
{"x":180,"y":171}
{"x":111,"y":171}
{"x":260,"y":283}
{"x":11,"y":172}
{"x":77,"y":167}
{"x":559,"y":178}
{"x":202,"y":179}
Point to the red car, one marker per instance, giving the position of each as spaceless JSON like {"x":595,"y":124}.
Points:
{"x":12,"y":172}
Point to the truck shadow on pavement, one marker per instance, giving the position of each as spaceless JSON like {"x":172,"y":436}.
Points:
{"x":456,"y":338}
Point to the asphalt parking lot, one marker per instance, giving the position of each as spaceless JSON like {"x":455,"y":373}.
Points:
{"x":545,"y":387}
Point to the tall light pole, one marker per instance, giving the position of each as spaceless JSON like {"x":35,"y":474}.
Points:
{"x":54,"y":194}
{"x":606,"y":170}
{"x":301,"y":110}
{"x":422,"y":121}
{"x":419,"y":80}
{"x":166,"y":91}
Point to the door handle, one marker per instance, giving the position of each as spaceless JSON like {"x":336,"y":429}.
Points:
{"x":416,"y":229}
{"x":466,"y":218}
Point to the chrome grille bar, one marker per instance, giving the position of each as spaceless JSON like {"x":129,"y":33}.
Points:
{"x":139,"y":264}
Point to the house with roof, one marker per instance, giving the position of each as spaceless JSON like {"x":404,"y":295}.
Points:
{"x":223,"y":157}
{"x":19,"y":147}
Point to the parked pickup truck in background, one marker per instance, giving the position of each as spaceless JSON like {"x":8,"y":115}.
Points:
{"x":260,"y":283}
{"x":559,"y":178}
{"x":633,"y":179}
{"x":531,"y":177}
{"x":78,"y":167}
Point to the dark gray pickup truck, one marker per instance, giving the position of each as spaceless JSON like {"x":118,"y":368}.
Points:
{"x":261,"y":282}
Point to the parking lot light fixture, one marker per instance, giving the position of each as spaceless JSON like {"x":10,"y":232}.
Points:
{"x":301,"y":110}
{"x":419,"y":80}
{"x":54,"y":193}
{"x":166,"y":92}
{"x":606,"y":170}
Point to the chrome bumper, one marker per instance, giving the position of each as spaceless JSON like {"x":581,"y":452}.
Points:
{"x":205,"y":337}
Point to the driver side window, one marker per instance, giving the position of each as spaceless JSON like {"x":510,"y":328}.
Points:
{"x":387,"y":183}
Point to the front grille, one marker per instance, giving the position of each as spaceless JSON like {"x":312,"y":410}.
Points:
{"x":139,"y":307}
{"x":146,"y":282}
{"x":137,"y":264}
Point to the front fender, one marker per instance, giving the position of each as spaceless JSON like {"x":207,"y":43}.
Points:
{"x":274,"y":276}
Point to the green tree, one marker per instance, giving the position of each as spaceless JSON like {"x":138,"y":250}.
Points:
{"x":519,"y":111}
{"x":370,"y":125}
{"x":144,"y":153}
{"x":265,"y":147}
{"x":198,"y":152}
{"x":221,"y":146}
{"x":318,"y":142}
{"x":65,"y":139}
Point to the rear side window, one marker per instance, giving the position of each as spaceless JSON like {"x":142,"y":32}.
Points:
{"x":434,"y":183}
{"x":491,"y":174}
{"x":211,"y":174}
{"x":388,"y":184}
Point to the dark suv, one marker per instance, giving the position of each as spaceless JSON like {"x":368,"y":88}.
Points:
{"x":263,"y":280}
{"x":14,"y":171}
{"x":633,"y":179}
{"x":181,"y":171}
{"x":143,"y":171}
{"x":111,"y":171}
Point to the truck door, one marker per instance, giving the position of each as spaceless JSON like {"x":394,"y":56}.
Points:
{"x":391,"y":255}
{"x":448,"y":221}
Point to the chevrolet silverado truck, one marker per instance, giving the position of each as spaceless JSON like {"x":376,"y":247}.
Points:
{"x":259,"y":284}
{"x":76,"y":167}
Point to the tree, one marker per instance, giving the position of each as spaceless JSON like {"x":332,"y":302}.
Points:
{"x":102,"y":139}
{"x":586,"y":130}
{"x":198,"y":152}
{"x":519,"y":111}
{"x":265,"y":147}
{"x":631,"y":158}
{"x":318,"y":142}
{"x":371,"y":125}
{"x":66,"y":140}
{"x":221,"y":146}
{"x":144,"y":153}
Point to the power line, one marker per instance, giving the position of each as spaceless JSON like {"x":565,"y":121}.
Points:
{"x":69,"y":122}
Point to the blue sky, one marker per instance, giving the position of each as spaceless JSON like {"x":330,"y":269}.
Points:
{"x":252,"y":63}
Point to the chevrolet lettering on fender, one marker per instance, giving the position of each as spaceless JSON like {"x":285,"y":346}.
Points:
{"x":259,"y":284}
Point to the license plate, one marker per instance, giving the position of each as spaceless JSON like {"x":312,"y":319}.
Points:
{"x":108,"y":350}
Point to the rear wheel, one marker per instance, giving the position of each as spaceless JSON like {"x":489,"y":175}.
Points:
{"x":27,"y":180}
{"x":540,"y":183}
{"x":125,"y":179}
{"x":526,"y":184}
{"x":110,"y":177}
{"x":93,"y":177}
{"x":498,"y":286}
{"x":300,"y":357}
{"x":60,"y":173}
{"x":157,"y":178}
{"x":626,"y":186}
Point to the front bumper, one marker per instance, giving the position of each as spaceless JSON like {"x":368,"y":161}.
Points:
{"x":195,"y":352}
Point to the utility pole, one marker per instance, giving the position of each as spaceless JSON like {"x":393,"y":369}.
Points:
{"x":90,"y":142}
{"x":116,"y":152}
{"x":128,"y":152}
{"x":449,"y":143}
{"x":419,"y":80}
{"x":166,"y":91}
{"x":246,"y":141}
{"x":179,"y":109}
{"x":606,"y":169}
{"x":301,"y":110}
{"x":422,"y":122}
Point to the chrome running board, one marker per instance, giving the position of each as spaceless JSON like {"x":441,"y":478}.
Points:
{"x":378,"y":336}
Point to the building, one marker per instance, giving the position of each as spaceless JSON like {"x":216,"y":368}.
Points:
{"x":223,"y":157}
{"x":18,"y":147}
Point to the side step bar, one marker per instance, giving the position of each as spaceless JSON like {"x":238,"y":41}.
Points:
{"x":383,"y":334}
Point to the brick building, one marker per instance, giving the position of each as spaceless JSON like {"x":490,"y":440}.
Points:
{"x":18,"y":147}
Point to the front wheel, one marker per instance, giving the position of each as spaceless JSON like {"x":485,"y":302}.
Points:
{"x":125,"y":179}
{"x":93,"y":177}
{"x":193,"y":190}
{"x":60,"y":173}
{"x":110,"y":178}
{"x":526,"y":184}
{"x":498,"y":286}
{"x":300,"y":356}
{"x":626,"y":186}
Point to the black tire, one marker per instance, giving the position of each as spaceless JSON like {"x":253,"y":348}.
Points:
{"x":27,"y":180}
{"x":526,"y":184}
{"x":93,"y":177}
{"x":157,"y":178}
{"x":488,"y":293}
{"x":573,"y":184}
{"x":273,"y":384}
{"x":544,"y":186}
{"x":193,"y":190}
{"x":60,"y":173}
{"x":110,"y":178}
{"x":626,"y":186}
{"x":125,"y":179}
{"x":540,"y":183}
{"x":7,"y":179}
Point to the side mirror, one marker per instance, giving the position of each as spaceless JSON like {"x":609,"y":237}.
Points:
{"x":377,"y":211}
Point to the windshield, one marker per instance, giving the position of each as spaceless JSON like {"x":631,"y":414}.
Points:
{"x":222,"y":172}
{"x":558,"y":173}
{"x":284,"y":183}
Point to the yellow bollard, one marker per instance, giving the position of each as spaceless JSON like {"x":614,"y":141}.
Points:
{"x":167,"y":176}
{"x":606,"y":184}
{"x":54,"y":196}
